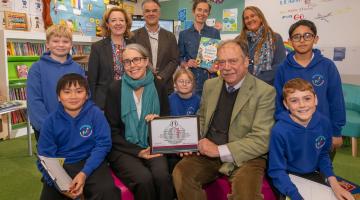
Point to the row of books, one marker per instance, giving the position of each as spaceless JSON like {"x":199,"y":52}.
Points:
{"x":37,"y":49}
{"x":25,"y":49}
{"x":17,"y":93}
{"x":18,"y":116}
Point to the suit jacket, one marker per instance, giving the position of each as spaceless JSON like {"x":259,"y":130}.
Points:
{"x":168,"y":53}
{"x":101,"y":69}
{"x":251,"y":118}
{"x":112,"y":112}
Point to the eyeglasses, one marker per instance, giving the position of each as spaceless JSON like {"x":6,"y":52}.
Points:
{"x":222,"y":63}
{"x":184,"y":82}
{"x":306,"y":36}
{"x":135,"y":60}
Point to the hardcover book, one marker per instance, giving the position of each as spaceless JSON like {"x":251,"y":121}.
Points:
{"x":207,"y":52}
{"x":22,"y":71}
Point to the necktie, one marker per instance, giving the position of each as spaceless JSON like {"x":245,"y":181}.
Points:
{"x":230,"y":89}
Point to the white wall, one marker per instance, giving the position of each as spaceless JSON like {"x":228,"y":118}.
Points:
{"x":338,"y":23}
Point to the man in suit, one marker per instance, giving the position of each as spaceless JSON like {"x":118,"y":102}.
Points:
{"x":236,"y":115}
{"x":160,"y":43}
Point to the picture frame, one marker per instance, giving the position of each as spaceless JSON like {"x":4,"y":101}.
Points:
{"x":174,"y":134}
{"x":15,"y":21}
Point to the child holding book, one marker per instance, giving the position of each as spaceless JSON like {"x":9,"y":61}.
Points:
{"x":45,"y":73}
{"x":309,"y":64}
{"x":300,"y":142}
{"x":78,"y":132}
{"x":183,"y":101}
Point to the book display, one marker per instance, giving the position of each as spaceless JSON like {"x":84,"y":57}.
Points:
{"x":20,"y":49}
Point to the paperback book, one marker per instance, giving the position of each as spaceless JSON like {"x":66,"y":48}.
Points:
{"x":207,"y":52}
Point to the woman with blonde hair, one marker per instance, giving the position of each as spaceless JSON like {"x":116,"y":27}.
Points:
{"x":266,"y":48}
{"x":105,"y":62}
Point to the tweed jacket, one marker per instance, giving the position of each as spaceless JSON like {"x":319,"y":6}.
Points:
{"x":251,"y":119}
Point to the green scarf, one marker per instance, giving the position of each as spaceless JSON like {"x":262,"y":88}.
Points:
{"x":136,"y":130}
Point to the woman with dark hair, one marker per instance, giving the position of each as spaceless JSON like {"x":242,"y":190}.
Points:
{"x":266,"y":48}
{"x":189,"y":41}
{"x":130,"y":103}
{"x":105,"y":62}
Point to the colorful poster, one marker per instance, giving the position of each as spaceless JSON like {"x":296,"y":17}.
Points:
{"x":230,"y":19}
{"x":83,"y":16}
{"x":188,"y":24}
{"x":182,"y":14}
{"x":36,"y":7}
{"x":7,"y":5}
{"x":22,"y":6}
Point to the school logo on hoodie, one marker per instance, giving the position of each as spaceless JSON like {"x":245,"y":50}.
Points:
{"x":85,"y":130}
{"x":317,"y":79}
{"x":320,"y":142}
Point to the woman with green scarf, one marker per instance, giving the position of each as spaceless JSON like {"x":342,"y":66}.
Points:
{"x":130,"y":103}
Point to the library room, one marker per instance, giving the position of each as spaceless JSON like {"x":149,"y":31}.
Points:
{"x":179,"y":99}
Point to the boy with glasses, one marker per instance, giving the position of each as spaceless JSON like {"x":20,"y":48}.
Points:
{"x":309,"y":64}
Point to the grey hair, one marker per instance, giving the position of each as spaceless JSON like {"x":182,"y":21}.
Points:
{"x":243,"y":46}
{"x":142,"y":50}
{"x":147,"y":1}
{"x":139,"y":48}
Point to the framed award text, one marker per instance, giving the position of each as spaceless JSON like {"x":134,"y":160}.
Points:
{"x":174,"y":134}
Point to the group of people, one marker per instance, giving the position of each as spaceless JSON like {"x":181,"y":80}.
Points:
{"x":248,"y":127}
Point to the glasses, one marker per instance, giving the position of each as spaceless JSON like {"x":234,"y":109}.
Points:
{"x":306,"y":36}
{"x":222,"y":63}
{"x":135,"y":61}
{"x":184,"y":82}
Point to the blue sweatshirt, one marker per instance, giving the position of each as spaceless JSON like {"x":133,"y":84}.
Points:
{"x":298,"y":149}
{"x":41,"y":86}
{"x":325,"y":78}
{"x":180,"y":106}
{"x":85,"y":137}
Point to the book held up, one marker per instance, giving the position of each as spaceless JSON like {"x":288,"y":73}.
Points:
{"x":207,"y":52}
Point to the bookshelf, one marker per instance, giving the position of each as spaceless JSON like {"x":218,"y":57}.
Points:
{"x":27,"y":48}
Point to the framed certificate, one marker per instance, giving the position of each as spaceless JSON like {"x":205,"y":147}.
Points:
{"x":174,"y":134}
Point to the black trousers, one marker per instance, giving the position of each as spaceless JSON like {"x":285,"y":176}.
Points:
{"x":147,"y":179}
{"x":98,"y":186}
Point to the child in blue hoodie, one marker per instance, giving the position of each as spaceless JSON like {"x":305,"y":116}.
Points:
{"x":78,"y":132}
{"x":308,"y":63}
{"x":184,"y":101}
{"x":44,"y":74}
{"x":300,"y":142}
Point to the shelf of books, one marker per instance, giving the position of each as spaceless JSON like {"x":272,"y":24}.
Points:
{"x":18,"y":51}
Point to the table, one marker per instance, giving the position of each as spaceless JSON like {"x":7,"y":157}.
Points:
{"x":28,"y":128}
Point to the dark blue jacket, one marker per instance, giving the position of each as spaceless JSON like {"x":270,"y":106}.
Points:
{"x":180,"y":106}
{"x":85,"y":137}
{"x":325,"y":78}
{"x":189,"y":41}
{"x":298,"y":149}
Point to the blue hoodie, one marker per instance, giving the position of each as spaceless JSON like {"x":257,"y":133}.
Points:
{"x":41,"y":86}
{"x":325,"y":78}
{"x":85,"y":137}
{"x":180,"y":106}
{"x":298,"y":149}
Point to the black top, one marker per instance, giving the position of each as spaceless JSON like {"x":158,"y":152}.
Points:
{"x":219,"y":123}
{"x":112,"y":111}
{"x":101,"y":69}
